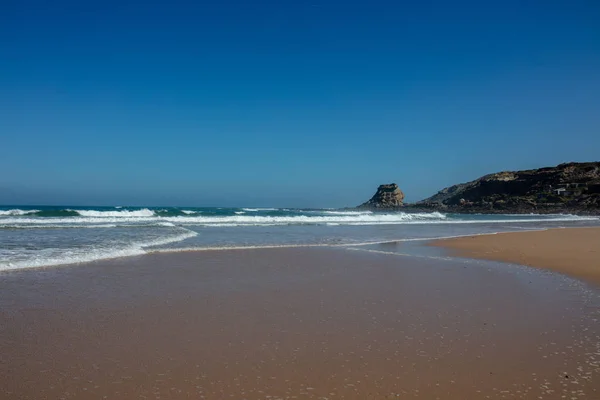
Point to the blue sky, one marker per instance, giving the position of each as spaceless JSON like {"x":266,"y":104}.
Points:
{"x":275,"y":103}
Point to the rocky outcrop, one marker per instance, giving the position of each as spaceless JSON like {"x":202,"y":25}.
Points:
{"x":566,"y":188}
{"x":387,"y":196}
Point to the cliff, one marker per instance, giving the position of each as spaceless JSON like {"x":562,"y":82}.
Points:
{"x":387,"y":196}
{"x":566,"y":188}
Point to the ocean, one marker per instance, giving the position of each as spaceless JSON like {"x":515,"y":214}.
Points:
{"x":38,"y":236}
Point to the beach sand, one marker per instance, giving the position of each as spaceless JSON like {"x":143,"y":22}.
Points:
{"x":297,"y":323}
{"x":571,"y":251}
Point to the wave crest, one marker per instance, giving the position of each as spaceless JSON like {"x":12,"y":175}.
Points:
{"x":16,"y":212}
{"x":122,"y":213}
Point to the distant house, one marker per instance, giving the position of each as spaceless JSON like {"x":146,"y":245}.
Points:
{"x":570,"y":189}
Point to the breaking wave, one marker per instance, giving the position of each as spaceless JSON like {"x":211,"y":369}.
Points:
{"x":53,"y":235}
{"x":93,"y":253}
{"x":15,"y":212}
{"x":123,"y":213}
{"x":147,"y":217}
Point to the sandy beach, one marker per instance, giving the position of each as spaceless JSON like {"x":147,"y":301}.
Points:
{"x":571,"y":251}
{"x":314,"y":323}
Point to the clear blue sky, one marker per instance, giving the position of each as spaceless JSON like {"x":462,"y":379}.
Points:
{"x":288,"y":103}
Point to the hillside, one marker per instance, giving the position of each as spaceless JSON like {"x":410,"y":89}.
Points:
{"x":570,"y":188}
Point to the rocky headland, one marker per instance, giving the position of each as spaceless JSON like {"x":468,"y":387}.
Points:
{"x":566,"y":188}
{"x":387,"y":196}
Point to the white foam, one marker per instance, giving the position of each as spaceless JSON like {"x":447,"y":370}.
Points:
{"x":189,"y":212}
{"x":123,"y":213}
{"x":76,"y":256}
{"x":243,"y":247}
{"x":147,"y":217}
{"x":67,"y":257}
{"x":16,"y":212}
{"x":345,"y":212}
{"x":259,"y":209}
{"x":232,"y":225}
{"x":166,"y":240}
{"x":165,"y":224}
{"x":60,"y":221}
{"x":63,"y":226}
{"x":371,"y":219}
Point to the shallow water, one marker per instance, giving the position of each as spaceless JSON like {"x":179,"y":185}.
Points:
{"x":42,"y":236}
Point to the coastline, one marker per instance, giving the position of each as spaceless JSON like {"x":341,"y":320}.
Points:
{"x":570,"y":251}
{"x":460,"y":210}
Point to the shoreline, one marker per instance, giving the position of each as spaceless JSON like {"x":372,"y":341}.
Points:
{"x":143,"y":252}
{"x":570,"y":251}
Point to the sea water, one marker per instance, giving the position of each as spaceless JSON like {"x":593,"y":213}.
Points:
{"x":45,"y":236}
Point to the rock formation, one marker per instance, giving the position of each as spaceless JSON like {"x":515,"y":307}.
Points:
{"x":566,"y":188}
{"x":387,"y":196}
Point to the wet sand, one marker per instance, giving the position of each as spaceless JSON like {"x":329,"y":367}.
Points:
{"x":571,"y":251}
{"x":314,"y":323}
